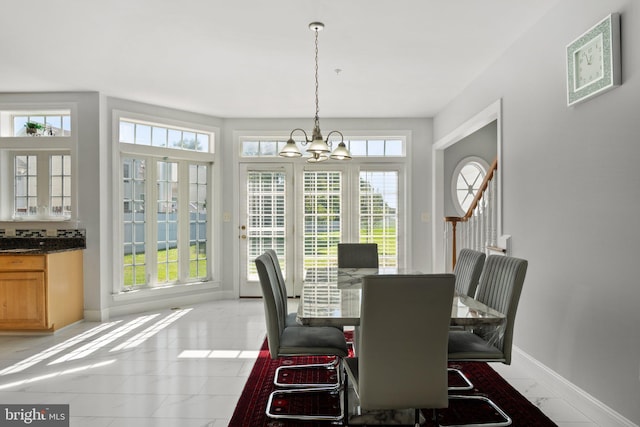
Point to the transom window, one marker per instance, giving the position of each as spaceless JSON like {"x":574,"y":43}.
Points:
{"x":42,"y":125}
{"x":379,"y":147}
{"x":155,"y":135}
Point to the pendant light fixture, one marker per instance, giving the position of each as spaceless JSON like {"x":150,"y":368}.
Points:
{"x":318,"y":147}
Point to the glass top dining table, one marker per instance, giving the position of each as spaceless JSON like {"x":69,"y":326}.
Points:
{"x":332,"y":297}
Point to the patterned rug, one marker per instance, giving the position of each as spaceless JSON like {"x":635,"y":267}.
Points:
{"x":250,"y":410}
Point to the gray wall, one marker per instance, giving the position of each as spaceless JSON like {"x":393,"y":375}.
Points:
{"x":570,"y":201}
{"x":482,"y":143}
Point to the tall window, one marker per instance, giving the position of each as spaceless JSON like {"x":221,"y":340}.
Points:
{"x":198,"y":189}
{"x":322,"y":221}
{"x":26,"y":182}
{"x":266,"y":208}
{"x":165,"y":203}
{"x":167,"y":220}
{"x":60,"y":185}
{"x":134,"y":218}
{"x":379,"y":213}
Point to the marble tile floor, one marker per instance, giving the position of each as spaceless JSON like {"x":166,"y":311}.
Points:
{"x":183,"y":367}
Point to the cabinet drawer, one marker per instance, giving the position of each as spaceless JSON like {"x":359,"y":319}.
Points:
{"x":21,"y":262}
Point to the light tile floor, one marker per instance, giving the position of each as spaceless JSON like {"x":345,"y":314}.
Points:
{"x":168,"y":368}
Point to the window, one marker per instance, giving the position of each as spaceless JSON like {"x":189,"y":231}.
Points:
{"x":389,"y":147}
{"x":162,"y":136}
{"x":37,"y":169}
{"x":379,"y":213}
{"x":42,"y":186}
{"x":266,"y":210}
{"x":322,"y":218}
{"x":467,"y":179}
{"x":166,"y":190}
{"x":47,"y":124}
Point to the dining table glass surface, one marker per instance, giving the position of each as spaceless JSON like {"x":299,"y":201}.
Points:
{"x":333,"y":297}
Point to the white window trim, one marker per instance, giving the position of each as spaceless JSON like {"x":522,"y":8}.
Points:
{"x":122,"y":150}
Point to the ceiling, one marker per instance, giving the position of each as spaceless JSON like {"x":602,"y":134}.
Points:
{"x":255,"y":58}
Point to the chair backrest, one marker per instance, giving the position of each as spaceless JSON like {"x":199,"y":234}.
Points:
{"x":500,"y":288}
{"x":402,"y":356}
{"x":358,"y":255}
{"x":279,"y":275}
{"x":273,"y":310}
{"x":467,"y":270}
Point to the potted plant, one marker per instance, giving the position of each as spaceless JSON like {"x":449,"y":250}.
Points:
{"x":33,"y":127}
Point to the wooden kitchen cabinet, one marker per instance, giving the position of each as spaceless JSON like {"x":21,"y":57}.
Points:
{"x":42,"y":292}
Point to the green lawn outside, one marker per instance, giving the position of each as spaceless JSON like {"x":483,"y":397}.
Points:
{"x":170,"y":256}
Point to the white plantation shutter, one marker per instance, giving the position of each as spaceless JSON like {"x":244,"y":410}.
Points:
{"x":266,"y":209}
{"x":379,"y":213}
{"x":322,"y":195}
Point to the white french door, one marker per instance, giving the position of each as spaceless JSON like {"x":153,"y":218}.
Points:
{"x":304,"y":211}
{"x":265,"y":221}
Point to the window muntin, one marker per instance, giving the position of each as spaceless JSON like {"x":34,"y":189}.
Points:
{"x":132,"y":132}
{"x":374,"y":147}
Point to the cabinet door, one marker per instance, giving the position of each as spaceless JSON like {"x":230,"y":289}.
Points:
{"x":22,"y":300}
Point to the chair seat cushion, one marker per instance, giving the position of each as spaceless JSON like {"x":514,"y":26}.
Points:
{"x":313,"y":340}
{"x":465,"y":345}
{"x":291,"y":320}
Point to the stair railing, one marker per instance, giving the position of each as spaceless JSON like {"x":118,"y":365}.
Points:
{"x":477,"y":229}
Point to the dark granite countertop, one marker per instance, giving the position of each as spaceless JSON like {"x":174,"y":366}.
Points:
{"x":40,"y":245}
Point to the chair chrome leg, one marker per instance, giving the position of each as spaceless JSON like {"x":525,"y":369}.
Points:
{"x":507,"y":420}
{"x":305,"y":417}
{"x":333,"y":367}
{"x":468,"y":385}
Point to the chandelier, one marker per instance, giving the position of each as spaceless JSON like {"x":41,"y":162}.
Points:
{"x":318,"y":147}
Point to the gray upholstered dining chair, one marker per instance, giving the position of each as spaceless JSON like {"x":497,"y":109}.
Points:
{"x":290,"y":318}
{"x":500,"y":287}
{"x":467,"y":271}
{"x":296,"y":341}
{"x":357,"y":255}
{"x":402,"y":361}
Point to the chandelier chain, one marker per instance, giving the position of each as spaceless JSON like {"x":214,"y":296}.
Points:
{"x":317,"y":104}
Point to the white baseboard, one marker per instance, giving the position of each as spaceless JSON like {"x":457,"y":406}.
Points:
{"x":157,"y":299}
{"x":597,"y":411}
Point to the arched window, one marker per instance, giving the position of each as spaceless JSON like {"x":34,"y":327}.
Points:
{"x":467,"y":178}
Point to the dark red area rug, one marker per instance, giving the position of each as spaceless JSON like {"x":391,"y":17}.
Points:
{"x":250,"y":410}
